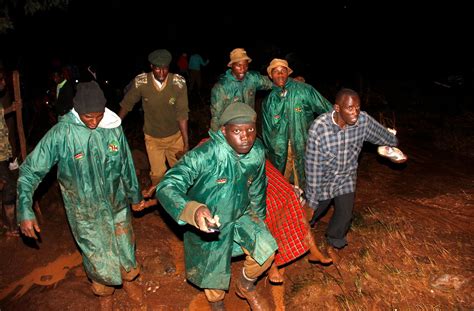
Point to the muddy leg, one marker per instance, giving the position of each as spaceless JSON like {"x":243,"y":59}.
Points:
{"x":274,"y":275}
{"x":10,"y":219}
{"x":315,"y":254}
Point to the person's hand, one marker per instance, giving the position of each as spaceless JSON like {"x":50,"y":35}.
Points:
{"x":393,"y":131}
{"x":148,"y":193}
{"x":139,"y":206}
{"x":144,"y":204}
{"x":28,"y":228}
{"x":180,"y":154}
{"x":205,"y":221}
{"x":299,"y":78}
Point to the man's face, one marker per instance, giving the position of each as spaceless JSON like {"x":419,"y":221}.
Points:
{"x":240,"y":137}
{"x":280,"y":76}
{"x":160,"y":73}
{"x":348,"y":110}
{"x":92,"y":119}
{"x":239,"y":69}
{"x":58,"y":77}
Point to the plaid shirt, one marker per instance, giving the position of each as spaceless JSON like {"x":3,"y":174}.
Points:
{"x":332,"y":154}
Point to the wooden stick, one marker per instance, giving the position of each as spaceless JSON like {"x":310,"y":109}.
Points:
{"x":21,"y":132}
{"x":19,"y":115}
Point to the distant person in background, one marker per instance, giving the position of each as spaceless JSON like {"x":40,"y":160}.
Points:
{"x":65,"y":91}
{"x":334,"y":143}
{"x":182,"y":64}
{"x":8,"y":173}
{"x":98,"y":183}
{"x":195,"y":76}
{"x":164,"y":99}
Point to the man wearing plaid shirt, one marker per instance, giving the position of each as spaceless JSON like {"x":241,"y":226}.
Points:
{"x":334,"y":142}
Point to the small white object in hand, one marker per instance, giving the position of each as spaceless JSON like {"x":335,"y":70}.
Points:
{"x":393,"y":131}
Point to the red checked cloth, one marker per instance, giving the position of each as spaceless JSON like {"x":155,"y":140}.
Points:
{"x":285,"y":217}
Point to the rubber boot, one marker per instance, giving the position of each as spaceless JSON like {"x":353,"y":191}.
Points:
{"x":246,"y":290}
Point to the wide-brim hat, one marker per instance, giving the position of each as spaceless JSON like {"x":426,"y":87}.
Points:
{"x":278,"y":62}
{"x":238,"y":55}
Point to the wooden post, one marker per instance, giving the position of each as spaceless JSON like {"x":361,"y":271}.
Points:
{"x":19,"y":115}
{"x":21,"y":132}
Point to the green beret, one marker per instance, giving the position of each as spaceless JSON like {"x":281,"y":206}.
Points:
{"x":238,"y":113}
{"x":160,"y":58}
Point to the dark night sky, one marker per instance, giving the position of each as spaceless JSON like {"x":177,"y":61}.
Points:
{"x":394,"y":38}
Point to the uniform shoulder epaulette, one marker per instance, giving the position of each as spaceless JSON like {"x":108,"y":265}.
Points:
{"x":179,"y":81}
{"x":141,"y":79}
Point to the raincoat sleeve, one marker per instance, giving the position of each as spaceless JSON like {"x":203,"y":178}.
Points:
{"x":218,"y":104}
{"x":37,"y":164}
{"x":266,"y":124}
{"x":377,"y":134}
{"x":173,"y":188}
{"x":320,"y":104}
{"x":257,"y":192}
{"x":129,"y":175}
{"x":263,"y":82}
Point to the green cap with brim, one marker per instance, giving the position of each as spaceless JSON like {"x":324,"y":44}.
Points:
{"x":160,"y":58}
{"x":238,"y":113}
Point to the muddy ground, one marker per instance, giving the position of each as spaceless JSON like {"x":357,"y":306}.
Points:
{"x":410,"y":244}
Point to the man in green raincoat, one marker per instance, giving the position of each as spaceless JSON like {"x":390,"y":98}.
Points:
{"x":287,"y":114}
{"x":237,"y":84}
{"x":220,"y":186}
{"x":98,"y":183}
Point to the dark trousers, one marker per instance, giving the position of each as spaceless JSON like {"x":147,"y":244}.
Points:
{"x":340,"y":220}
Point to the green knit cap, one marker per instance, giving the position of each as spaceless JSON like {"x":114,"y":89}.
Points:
{"x":238,"y":113}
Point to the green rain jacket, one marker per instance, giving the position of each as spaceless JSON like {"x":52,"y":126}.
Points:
{"x":98,"y":182}
{"x":287,"y":116}
{"x":233,"y":187}
{"x":229,"y":90}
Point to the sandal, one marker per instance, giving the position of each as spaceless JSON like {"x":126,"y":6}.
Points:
{"x":392,"y":153}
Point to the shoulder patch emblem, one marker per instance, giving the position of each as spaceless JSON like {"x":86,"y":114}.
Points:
{"x":179,"y":81}
{"x":298,"y":109}
{"x":141,"y":79}
{"x":221,"y":180}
